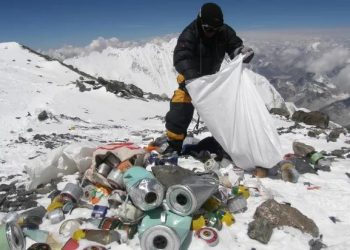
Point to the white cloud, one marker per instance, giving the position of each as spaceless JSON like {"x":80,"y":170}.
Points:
{"x":342,"y":80}
{"x":328,"y":60}
{"x":99,"y":44}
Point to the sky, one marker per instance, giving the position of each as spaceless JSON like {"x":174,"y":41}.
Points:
{"x":44,"y":24}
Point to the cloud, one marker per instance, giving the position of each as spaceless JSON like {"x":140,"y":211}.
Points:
{"x":328,"y":60}
{"x":99,"y":44}
{"x":342,"y":80}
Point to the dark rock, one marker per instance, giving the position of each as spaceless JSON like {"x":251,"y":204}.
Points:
{"x":316,"y":244}
{"x":50,"y":145}
{"x":82,"y":87}
{"x":312,"y":133}
{"x":338,"y":153}
{"x":348,"y":156}
{"x":21,"y":140}
{"x":348,"y":174}
{"x":102,"y":81}
{"x":302,"y":165}
{"x":2,"y":198}
{"x":43,"y":116}
{"x":40,"y":137}
{"x":115,"y":86}
{"x":134,"y":90}
{"x":335,"y":133}
{"x":260,"y":230}
{"x":302,"y":149}
{"x":316,"y":118}
{"x":29,"y":130}
{"x":284,"y":215}
{"x":7,"y":187}
{"x":280,"y":111}
{"x":28,"y":204}
{"x":315,"y":132}
{"x":90,"y":82}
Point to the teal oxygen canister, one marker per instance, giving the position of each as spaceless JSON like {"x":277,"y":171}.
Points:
{"x":145,"y":191}
{"x":11,"y":237}
{"x":161,"y":229}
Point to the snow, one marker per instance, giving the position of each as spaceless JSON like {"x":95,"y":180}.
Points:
{"x":105,"y":117}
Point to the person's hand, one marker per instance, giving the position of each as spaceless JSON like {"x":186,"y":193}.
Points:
{"x":247,"y":52}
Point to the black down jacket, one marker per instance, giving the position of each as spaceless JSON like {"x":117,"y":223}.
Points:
{"x":196,"y":55}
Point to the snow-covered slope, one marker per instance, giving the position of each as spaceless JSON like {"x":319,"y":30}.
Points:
{"x":28,"y":83}
{"x":150,"y":67}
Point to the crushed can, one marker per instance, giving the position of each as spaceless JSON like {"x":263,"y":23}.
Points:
{"x":99,"y":212}
{"x":11,"y":237}
{"x":116,"y":198}
{"x":190,"y":195}
{"x":237,"y":204}
{"x":104,"y":169}
{"x":73,"y":191}
{"x":213,"y":220}
{"x":128,"y":213}
{"x":103,"y":237}
{"x":115,"y":178}
{"x":241,"y":190}
{"x":55,"y":216}
{"x":161,"y":229}
{"x":144,"y":189}
{"x":68,"y":227}
{"x":112,"y":160}
{"x":211,"y":165}
{"x":37,"y":235}
{"x":209,"y":235}
{"x":171,"y":160}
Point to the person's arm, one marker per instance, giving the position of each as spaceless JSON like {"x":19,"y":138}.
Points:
{"x":233,"y":41}
{"x":235,"y":46}
{"x":184,"y":55}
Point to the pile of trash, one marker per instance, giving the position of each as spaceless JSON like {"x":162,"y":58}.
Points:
{"x":129,"y":190}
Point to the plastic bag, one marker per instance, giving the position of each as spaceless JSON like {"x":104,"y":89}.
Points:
{"x":64,"y":160}
{"x":235,"y":114}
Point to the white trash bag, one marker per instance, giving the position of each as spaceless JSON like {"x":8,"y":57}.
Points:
{"x":235,"y":114}
{"x":64,"y":160}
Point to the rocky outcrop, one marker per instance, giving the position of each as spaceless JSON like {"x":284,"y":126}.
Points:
{"x":272,"y":214}
{"x":316,"y":118}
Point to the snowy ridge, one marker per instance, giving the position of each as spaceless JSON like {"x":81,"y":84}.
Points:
{"x":150,"y":67}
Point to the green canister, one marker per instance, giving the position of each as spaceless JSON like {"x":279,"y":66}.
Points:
{"x":145,"y":191}
{"x":11,"y":237}
{"x":163,"y":230}
{"x":315,"y":157}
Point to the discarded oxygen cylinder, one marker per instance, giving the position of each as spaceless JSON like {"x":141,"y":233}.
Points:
{"x":143,"y":188}
{"x":190,"y":195}
{"x":11,"y":237}
{"x":163,"y":230}
{"x":72,"y":191}
{"x":115,"y":178}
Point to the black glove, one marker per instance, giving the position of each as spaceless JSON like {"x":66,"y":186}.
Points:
{"x":247,"y":52}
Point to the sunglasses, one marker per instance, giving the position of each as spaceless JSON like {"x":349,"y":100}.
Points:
{"x":210,"y":29}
